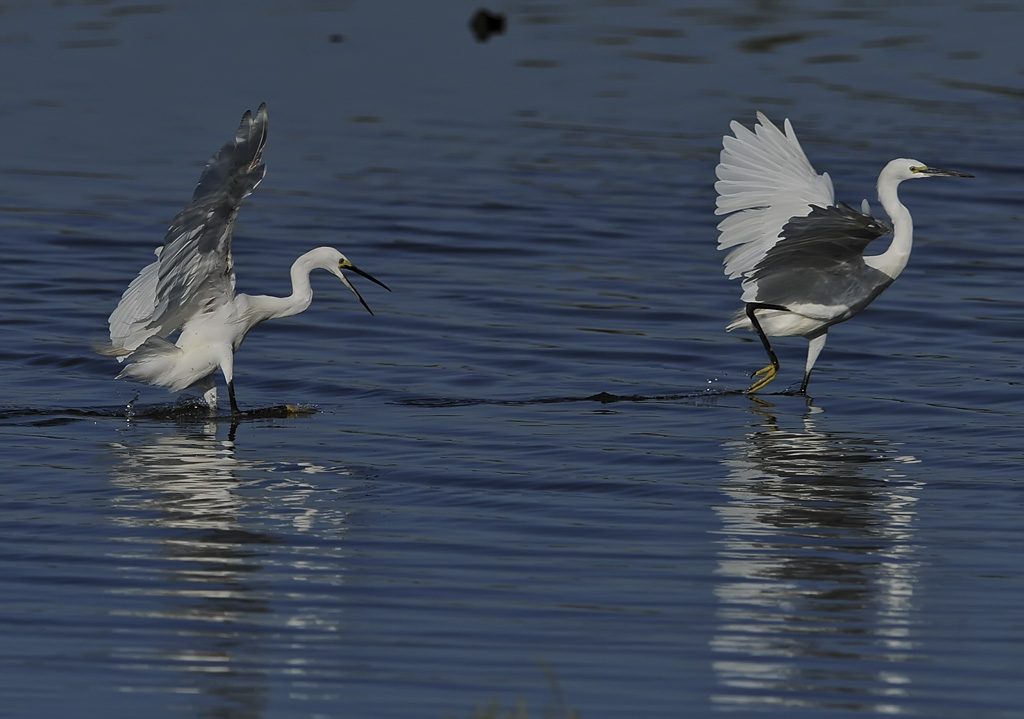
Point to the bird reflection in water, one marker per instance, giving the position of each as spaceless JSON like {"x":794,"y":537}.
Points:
{"x":816,"y":570}
{"x":203,"y":562}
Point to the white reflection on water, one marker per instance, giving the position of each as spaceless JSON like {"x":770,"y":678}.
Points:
{"x":214,"y":582}
{"x":816,"y":570}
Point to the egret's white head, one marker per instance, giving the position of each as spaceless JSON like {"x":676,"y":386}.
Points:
{"x":906,"y":169}
{"x":334,"y":262}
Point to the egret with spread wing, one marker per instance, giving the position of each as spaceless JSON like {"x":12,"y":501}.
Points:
{"x":190,"y":289}
{"x":800,"y":253}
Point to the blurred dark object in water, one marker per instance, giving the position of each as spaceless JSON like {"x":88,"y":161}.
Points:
{"x":485,"y":23}
{"x":336,"y":37}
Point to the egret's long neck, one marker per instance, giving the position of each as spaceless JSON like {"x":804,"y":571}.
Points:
{"x":894,"y":259}
{"x":265,"y":307}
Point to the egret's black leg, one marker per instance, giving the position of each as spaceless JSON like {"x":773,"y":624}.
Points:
{"x":231,"y":396}
{"x":767,"y":374}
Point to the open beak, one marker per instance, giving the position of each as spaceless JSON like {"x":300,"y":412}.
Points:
{"x":346,"y":265}
{"x":938,"y":172}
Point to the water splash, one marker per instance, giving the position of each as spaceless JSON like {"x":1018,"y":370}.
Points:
{"x":129,"y":409}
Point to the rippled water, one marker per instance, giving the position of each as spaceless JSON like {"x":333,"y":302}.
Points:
{"x":530,"y":479}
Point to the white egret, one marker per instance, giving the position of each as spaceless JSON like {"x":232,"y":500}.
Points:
{"x":800,"y":253}
{"x":190,"y":288}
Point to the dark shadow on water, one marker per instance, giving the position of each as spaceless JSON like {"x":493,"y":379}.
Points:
{"x":182,"y":412}
{"x":485,"y":23}
{"x":599,"y":398}
{"x":191,"y":411}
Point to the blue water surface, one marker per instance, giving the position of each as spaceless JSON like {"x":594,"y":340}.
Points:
{"x":530,"y":483}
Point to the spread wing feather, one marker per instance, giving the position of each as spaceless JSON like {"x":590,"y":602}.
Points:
{"x":194,"y":270}
{"x":764,"y":181}
{"x":819,"y":260}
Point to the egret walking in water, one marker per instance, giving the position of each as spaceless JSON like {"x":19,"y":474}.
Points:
{"x":190,"y":288}
{"x":800,"y":253}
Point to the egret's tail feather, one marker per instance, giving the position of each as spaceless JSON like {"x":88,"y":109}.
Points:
{"x":155,"y":362}
{"x":739,"y":320}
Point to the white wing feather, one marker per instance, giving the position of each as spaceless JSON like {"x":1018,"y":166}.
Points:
{"x":128,"y":322}
{"x":765,"y":179}
{"x":194,"y":269}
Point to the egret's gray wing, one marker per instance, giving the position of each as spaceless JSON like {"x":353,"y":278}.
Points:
{"x":764,"y":180}
{"x":194,"y":270}
{"x":817,"y":266}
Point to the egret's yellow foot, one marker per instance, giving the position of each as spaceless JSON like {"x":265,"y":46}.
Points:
{"x":769,"y":373}
{"x":294,"y":410}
